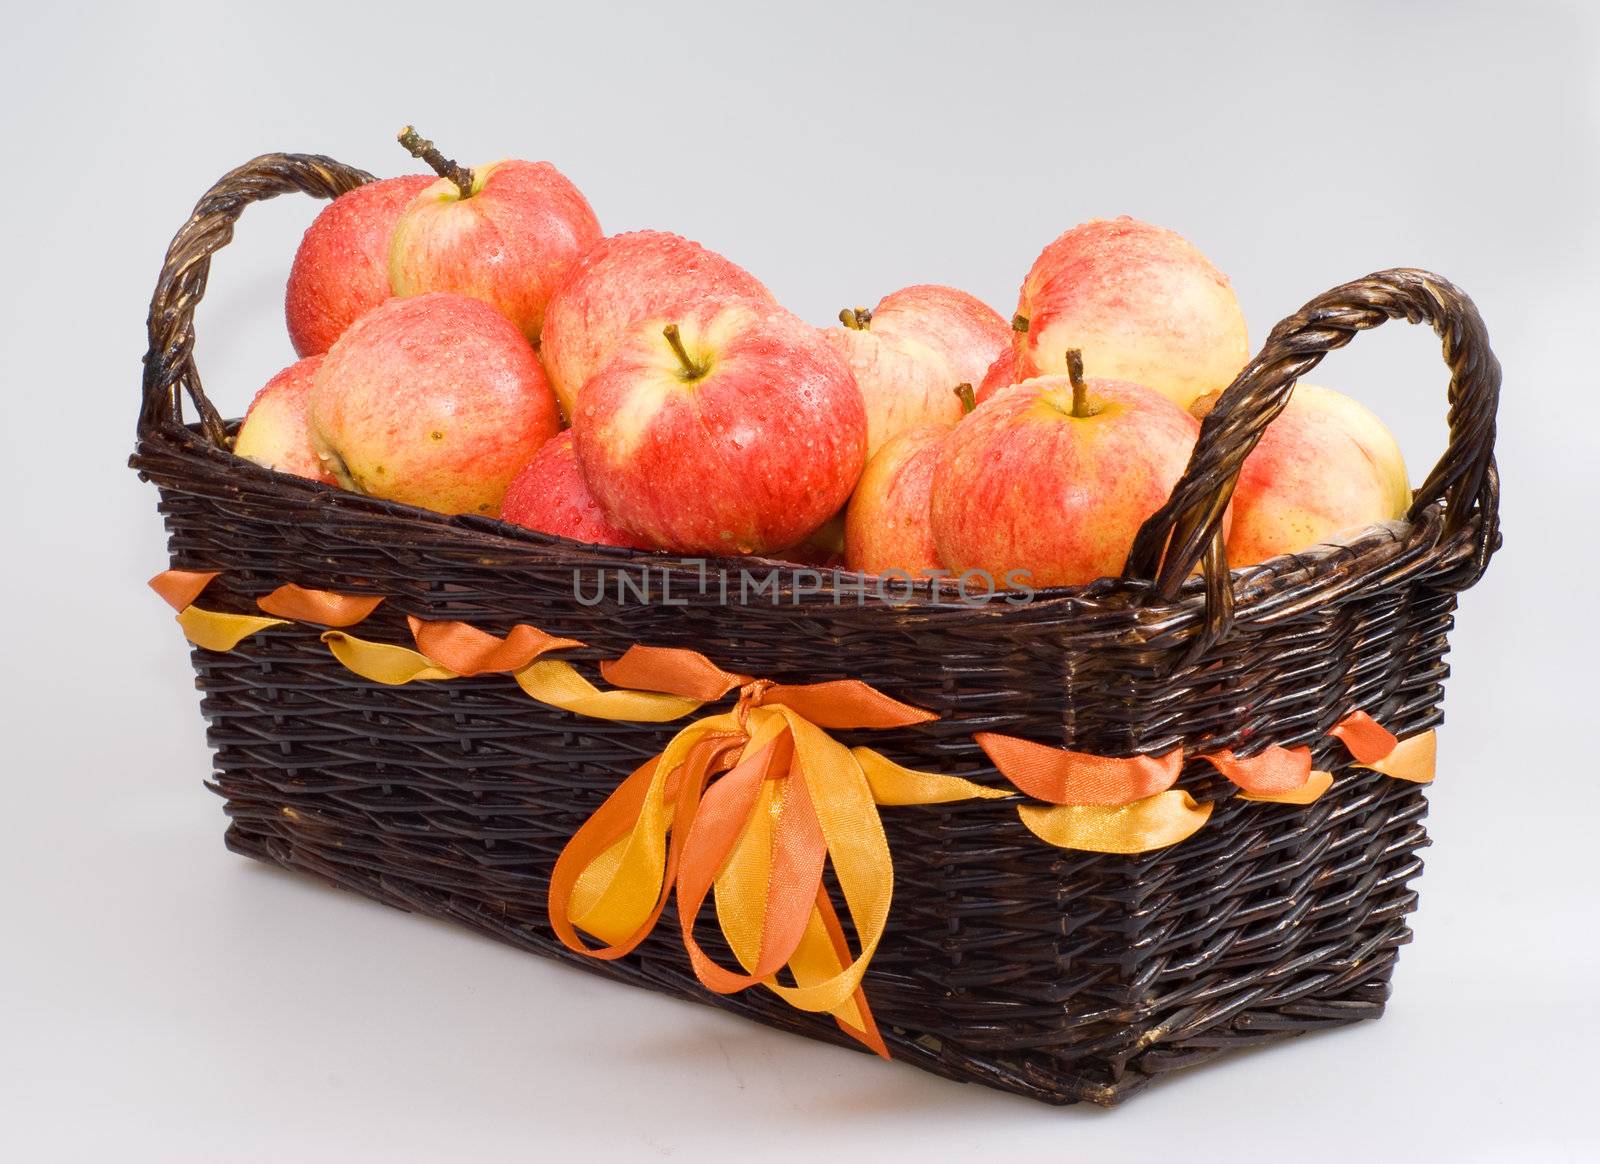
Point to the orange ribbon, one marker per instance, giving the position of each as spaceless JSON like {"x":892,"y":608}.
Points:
{"x":466,"y":650}
{"x":218,"y":630}
{"x":212,"y":630}
{"x":1371,"y":746}
{"x":179,"y":588}
{"x":1273,"y":771}
{"x":686,"y":673}
{"x":613,"y":823}
{"x":1366,"y":741}
{"x":1128,"y":804}
{"x":751,"y":805}
{"x":318,"y":606}
{"x":1098,"y":804}
{"x":1060,"y":776}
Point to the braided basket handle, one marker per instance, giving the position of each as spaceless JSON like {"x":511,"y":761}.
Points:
{"x":1187,"y":530}
{"x":169,"y":370}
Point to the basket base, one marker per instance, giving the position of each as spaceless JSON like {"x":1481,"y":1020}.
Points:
{"x":1351,"y":1000}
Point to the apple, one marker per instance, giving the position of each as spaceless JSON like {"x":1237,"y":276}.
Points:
{"x":888,"y":525}
{"x":908,"y":351}
{"x":1325,"y":466}
{"x":434,"y":400}
{"x":822,"y":548}
{"x":1141,"y":303}
{"x":341,"y":270}
{"x":619,"y":281}
{"x":507,"y":233}
{"x":966,"y":331}
{"x":550,"y":495}
{"x":730,"y":428}
{"x":1001,"y":374}
{"x":276,"y":432}
{"x":1054,"y":476}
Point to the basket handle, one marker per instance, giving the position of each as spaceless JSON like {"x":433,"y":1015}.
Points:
{"x":169,"y":369}
{"x":1187,"y":530}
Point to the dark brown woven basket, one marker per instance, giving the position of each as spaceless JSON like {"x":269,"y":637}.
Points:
{"x":1059,"y":975}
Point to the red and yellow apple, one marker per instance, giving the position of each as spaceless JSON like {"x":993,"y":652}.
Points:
{"x":888,"y":525}
{"x":622,"y":279}
{"x":507,"y":233}
{"x":341,"y":270}
{"x":276,"y":432}
{"x":1325,"y":466}
{"x":551,"y":496}
{"x":434,"y":400}
{"x":823,"y":547}
{"x":1141,"y":303}
{"x":907,"y":352}
{"x":1054,"y":476}
{"x":730,"y":428}
{"x":1001,"y":374}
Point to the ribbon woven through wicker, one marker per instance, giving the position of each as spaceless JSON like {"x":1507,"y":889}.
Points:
{"x":1059,"y":975}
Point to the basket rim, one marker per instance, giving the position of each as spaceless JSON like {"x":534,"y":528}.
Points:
{"x":1422,"y":544}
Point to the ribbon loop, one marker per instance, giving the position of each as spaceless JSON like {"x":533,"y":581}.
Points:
{"x":1308,"y":793}
{"x":614,"y":876}
{"x":383,"y":663}
{"x":466,"y":650}
{"x":324,"y":607}
{"x":179,"y":588}
{"x":1374,"y":747}
{"x":1152,"y":822}
{"x":1365,"y":739}
{"x":893,"y":785}
{"x":845,"y":703}
{"x":1413,"y":759}
{"x":672,"y":670}
{"x":217,"y":631}
{"x":1270,"y":772}
{"x":1060,"y":776}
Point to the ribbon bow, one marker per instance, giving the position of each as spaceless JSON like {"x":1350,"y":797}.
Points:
{"x":749,"y":806}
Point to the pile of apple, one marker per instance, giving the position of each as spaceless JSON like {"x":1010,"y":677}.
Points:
{"x":472,"y":343}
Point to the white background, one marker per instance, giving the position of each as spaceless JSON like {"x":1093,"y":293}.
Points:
{"x":164,"y":1000}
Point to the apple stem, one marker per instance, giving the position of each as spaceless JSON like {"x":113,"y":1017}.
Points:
{"x":1080,"y":390}
{"x":968,"y":399}
{"x":1019,"y":323}
{"x":856,"y":318}
{"x":421,"y":147}
{"x":691,"y":370}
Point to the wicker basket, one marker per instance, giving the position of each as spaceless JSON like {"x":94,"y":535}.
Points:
{"x":1059,"y":975}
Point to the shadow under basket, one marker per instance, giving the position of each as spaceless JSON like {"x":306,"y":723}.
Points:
{"x":1057,"y":974}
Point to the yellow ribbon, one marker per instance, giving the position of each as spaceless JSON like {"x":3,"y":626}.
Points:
{"x":1412,"y":759}
{"x":214,"y":630}
{"x":1317,"y":782}
{"x":749,"y":805}
{"x":1152,"y":822}
{"x":217,"y":631}
{"x":550,"y":681}
{"x":1127,"y":805}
